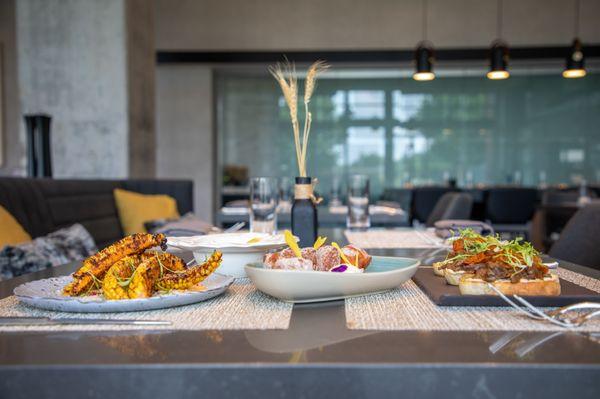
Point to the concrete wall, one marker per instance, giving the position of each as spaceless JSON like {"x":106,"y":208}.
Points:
{"x":184,"y":126}
{"x":72,"y":65}
{"x":12,"y":146}
{"x":140,"y":82}
{"x":90,"y":65}
{"x":365,"y":24}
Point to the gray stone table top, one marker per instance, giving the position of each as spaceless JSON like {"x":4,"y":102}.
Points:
{"x":316,"y":357}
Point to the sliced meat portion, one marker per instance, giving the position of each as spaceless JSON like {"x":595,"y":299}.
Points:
{"x":309,"y":253}
{"x":327,"y":258}
{"x":364,"y":259}
{"x":294,"y":264}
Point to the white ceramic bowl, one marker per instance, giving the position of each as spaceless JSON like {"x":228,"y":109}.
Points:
{"x":384,"y":273}
{"x":238,"y":249}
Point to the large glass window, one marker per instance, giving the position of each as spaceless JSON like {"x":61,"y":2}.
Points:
{"x":396,"y":130}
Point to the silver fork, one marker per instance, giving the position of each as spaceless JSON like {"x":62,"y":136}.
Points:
{"x":557,"y":316}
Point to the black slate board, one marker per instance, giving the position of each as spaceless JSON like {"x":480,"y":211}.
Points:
{"x":444,"y":294}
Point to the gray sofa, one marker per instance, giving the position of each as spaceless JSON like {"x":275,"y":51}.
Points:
{"x":45,"y":205}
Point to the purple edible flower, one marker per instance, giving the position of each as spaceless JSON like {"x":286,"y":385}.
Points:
{"x":339,"y":269}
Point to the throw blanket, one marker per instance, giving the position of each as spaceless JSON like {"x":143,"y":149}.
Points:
{"x":57,"y":248}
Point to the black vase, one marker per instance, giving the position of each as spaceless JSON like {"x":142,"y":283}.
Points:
{"x":305,"y":222}
{"x":39,"y":162}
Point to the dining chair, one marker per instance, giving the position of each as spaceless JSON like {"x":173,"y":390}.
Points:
{"x":424,"y":200}
{"x":578,"y":242}
{"x":560,"y":197}
{"x":451,"y":206}
{"x":510,"y":209}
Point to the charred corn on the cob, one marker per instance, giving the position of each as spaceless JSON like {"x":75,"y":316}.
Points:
{"x":150,"y":270}
{"x":95,"y":267}
{"x":190,"y":277}
{"x":116,"y":281}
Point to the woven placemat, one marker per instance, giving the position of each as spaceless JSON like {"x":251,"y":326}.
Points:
{"x":408,"y":308}
{"x":241,"y":307}
{"x":408,"y":238}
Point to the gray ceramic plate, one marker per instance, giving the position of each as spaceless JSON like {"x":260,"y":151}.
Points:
{"x":46,"y":294}
{"x":384,"y":273}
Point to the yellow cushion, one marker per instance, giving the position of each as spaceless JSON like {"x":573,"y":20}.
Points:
{"x":11,"y":232}
{"x":136,"y":209}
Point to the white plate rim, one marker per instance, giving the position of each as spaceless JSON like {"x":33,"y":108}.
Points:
{"x":227,"y":246}
{"x":17,"y":291}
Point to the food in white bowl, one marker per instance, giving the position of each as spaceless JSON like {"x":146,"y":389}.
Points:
{"x":327,"y":272}
{"x":319,"y":257}
{"x":238,"y":249}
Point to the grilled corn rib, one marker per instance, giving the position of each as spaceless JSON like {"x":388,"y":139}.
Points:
{"x":95,"y":267}
{"x":130,"y":245}
{"x":150,"y":270}
{"x":114,"y":285}
{"x":190,"y":277}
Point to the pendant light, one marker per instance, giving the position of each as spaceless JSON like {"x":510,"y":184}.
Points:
{"x":574,"y":67}
{"x":424,"y":57}
{"x":498,"y":52}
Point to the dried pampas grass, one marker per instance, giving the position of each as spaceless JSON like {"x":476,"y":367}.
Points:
{"x":285,"y":74}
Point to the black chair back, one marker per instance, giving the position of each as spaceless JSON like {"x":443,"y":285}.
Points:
{"x":451,"y":206}
{"x":510,"y":205}
{"x":558,"y":197}
{"x":424,"y":200}
{"x":578,"y":242}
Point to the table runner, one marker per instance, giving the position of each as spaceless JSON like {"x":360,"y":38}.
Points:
{"x":408,"y":308}
{"x":405,"y":238}
{"x":241,"y":307}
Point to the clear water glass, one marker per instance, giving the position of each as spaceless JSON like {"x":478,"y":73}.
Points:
{"x":286,"y":197}
{"x":264,"y":192}
{"x":358,"y":203}
{"x":336,"y":187}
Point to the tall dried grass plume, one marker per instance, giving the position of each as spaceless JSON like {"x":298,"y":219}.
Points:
{"x":285,"y":75}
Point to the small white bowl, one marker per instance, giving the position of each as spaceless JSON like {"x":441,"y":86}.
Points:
{"x":238,"y":249}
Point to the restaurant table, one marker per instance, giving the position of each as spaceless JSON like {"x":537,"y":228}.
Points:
{"x":316,"y":357}
{"x":327,"y":219}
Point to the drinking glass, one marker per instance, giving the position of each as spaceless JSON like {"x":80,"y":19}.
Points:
{"x":335,"y":192}
{"x":358,"y":203}
{"x":263,"y":205}
{"x":285,"y":195}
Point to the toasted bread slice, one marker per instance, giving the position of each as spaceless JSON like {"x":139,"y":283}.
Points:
{"x":437,"y":269}
{"x":454,"y":276}
{"x":548,"y":286}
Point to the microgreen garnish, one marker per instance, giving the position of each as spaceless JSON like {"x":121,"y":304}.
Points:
{"x":96,"y":283}
{"x":516,"y":253}
{"x":124,"y":282}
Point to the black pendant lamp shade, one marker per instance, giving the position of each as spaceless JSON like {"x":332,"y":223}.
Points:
{"x":575,"y":67}
{"x":498,"y":61}
{"x":424,"y":59}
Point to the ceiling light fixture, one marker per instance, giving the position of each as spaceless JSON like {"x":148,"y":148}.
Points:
{"x":575,"y":67}
{"x":498,"y":61}
{"x":498,"y":52}
{"x":424,"y":56}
